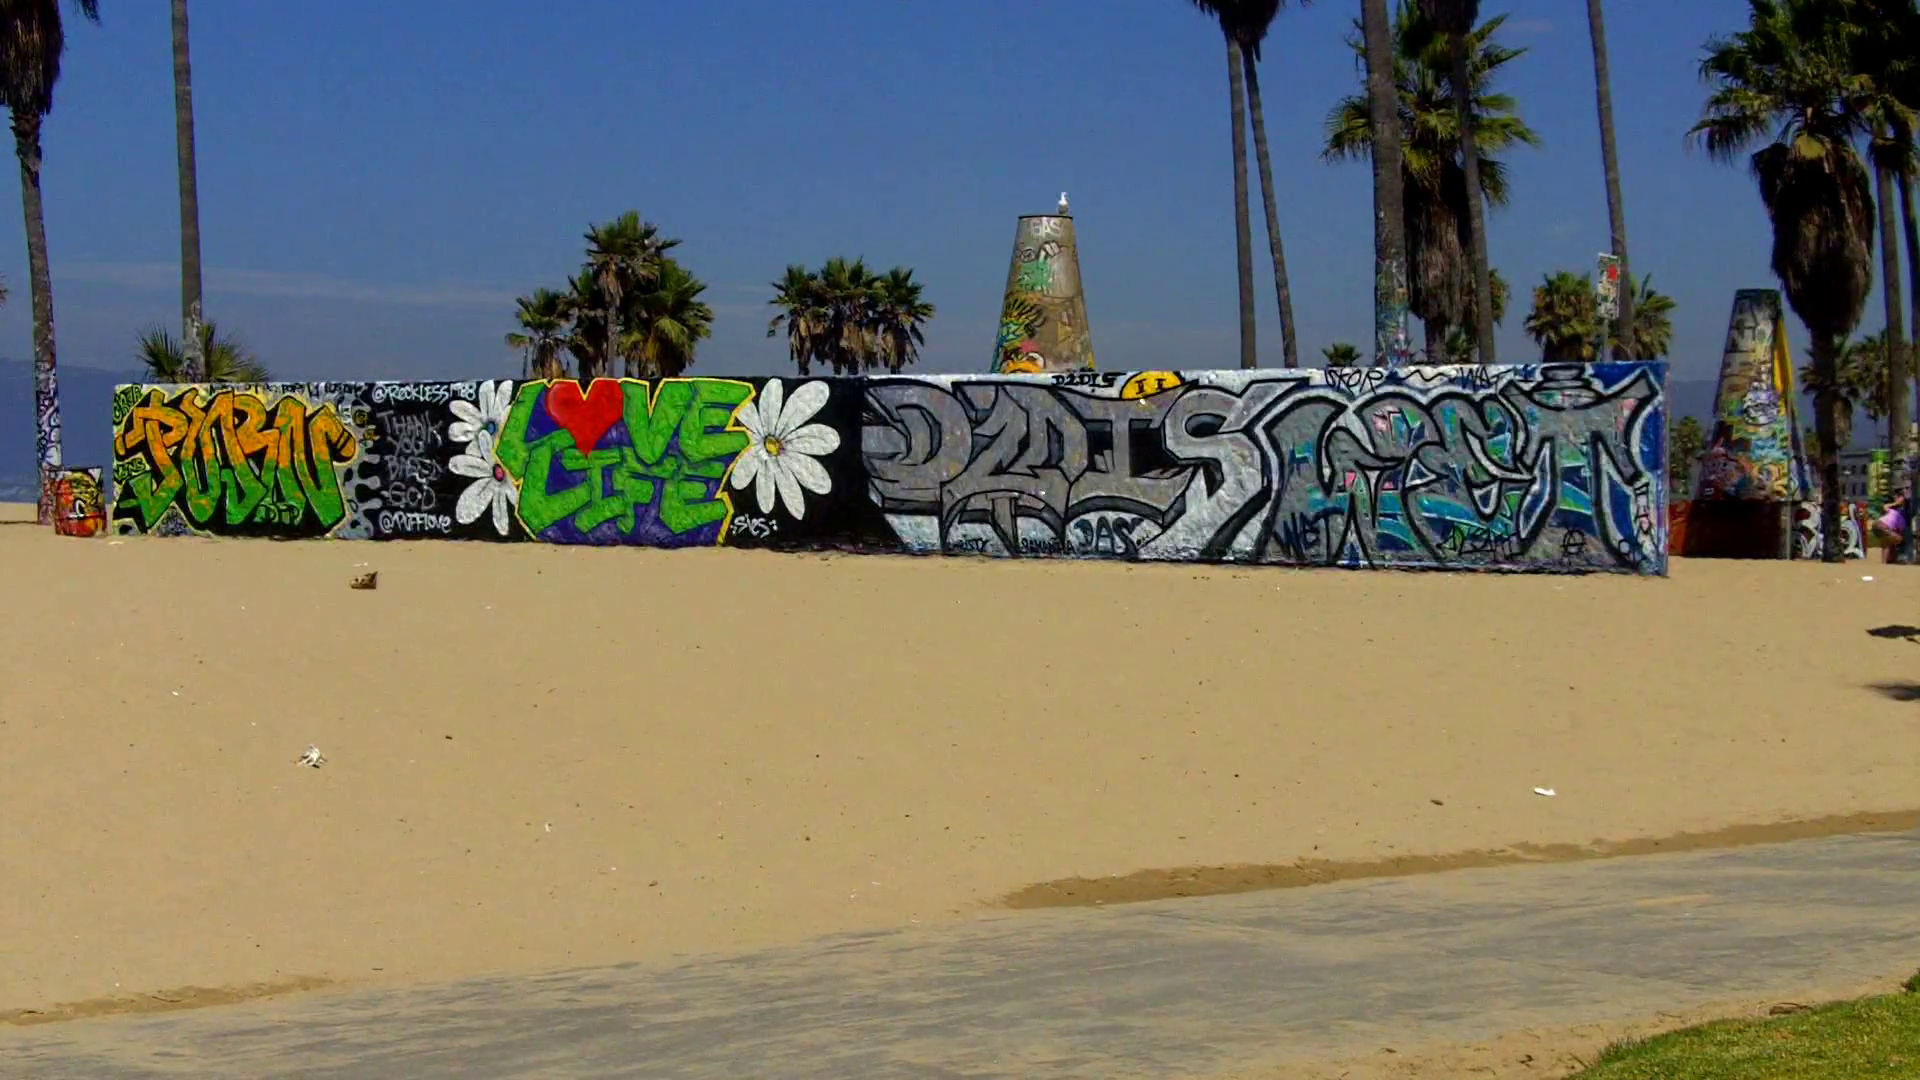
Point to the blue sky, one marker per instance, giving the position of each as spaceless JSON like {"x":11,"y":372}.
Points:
{"x":379,"y":178}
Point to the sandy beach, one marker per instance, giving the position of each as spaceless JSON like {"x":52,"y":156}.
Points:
{"x":543,"y":757}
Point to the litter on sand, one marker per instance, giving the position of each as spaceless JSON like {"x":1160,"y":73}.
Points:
{"x":313,"y":758}
{"x":1546,"y":791}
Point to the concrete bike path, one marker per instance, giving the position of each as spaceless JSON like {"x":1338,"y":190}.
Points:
{"x":1182,"y":987}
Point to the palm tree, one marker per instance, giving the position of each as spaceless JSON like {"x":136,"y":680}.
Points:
{"x":1610,"y":163}
{"x":542,"y":336}
{"x":1389,"y":221}
{"x":663,"y":325}
{"x":1564,"y":322}
{"x":901,"y":316}
{"x":1341,"y":354}
{"x":1652,"y":323}
{"x":1455,"y":20}
{"x":1788,"y":78}
{"x":226,"y":360}
{"x":32,"y":40}
{"x":850,"y":318}
{"x":1462,"y":346}
{"x":1442,"y":290}
{"x":1885,"y":33}
{"x":190,"y":310}
{"x":623,"y":256}
{"x":803,"y":314}
{"x":1246,"y":23}
{"x":1859,"y":382}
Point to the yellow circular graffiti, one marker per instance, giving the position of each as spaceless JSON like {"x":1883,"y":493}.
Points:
{"x":1147,"y":384}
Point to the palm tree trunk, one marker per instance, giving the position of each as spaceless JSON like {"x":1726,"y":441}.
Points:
{"x":1390,"y":343}
{"x":1616,"y":206}
{"x":46,"y":389}
{"x":1436,"y":339}
{"x":1289,"y":344}
{"x":1907,"y":474}
{"x":191,"y":315}
{"x":1242,"y":223}
{"x":1899,"y":386}
{"x":1476,"y":211}
{"x":1827,"y":408}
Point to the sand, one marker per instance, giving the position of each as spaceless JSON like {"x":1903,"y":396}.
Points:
{"x":541,"y":757}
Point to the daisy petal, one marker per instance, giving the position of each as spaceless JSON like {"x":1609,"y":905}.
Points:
{"x":473,"y":501}
{"x":461,"y":432}
{"x":801,"y":406}
{"x":746,"y":465}
{"x":790,"y":493}
{"x":749,"y":417}
{"x":465,"y":410}
{"x":818,"y":440}
{"x":771,"y":394}
{"x":468,"y":465}
{"x":501,"y":496}
{"x":763,"y":485}
{"x":811,"y":474}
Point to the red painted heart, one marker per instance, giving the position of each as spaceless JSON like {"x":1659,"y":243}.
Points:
{"x":586,"y":418}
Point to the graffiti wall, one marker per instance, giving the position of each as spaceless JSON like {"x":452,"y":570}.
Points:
{"x":1552,"y":467}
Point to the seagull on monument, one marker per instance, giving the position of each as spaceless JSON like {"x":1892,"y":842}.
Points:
{"x":1063,"y":204}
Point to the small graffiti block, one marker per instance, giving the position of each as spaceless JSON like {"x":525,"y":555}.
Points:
{"x":79,"y":505}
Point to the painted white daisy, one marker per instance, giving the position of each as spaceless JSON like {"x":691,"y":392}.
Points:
{"x":781,"y":458}
{"x":488,"y":413}
{"x":491,"y":485}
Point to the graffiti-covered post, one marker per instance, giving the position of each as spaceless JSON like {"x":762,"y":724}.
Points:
{"x":1043,"y":321}
{"x":1754,"y":469}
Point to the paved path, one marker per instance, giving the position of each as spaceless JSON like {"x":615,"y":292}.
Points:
{"x":1185,"y":987}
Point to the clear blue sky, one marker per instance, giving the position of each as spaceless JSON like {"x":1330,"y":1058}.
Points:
{"x":379,"y":178}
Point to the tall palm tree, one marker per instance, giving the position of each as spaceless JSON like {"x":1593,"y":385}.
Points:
{"x":664,"y":324}
{"x":1610,"y":164}
{"x":1563,"y":321}
{"x":223,"y":359}
{"x":542,"y":336}
{"x":1389,"y":222}
{"x":1441,"y":286}
{"x":803,"y":314}
{"x":1455,"y":20}
{"x":623,"y":256}
{"x":1242,"y":223}
{"x":1787,"y":81}
{"x":190,"y":309}
{"x":32,"y":40}
{"x":1246,"y":23}
{"x":1886,"y":33}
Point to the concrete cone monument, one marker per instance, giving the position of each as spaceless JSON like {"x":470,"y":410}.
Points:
{"x":1043,"y":321}
{"x":1754,"y":469}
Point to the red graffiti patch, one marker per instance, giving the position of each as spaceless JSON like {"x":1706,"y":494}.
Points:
{"x":587,"y":418}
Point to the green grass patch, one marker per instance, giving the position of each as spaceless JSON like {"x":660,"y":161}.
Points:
{"x":1876,"y":1038}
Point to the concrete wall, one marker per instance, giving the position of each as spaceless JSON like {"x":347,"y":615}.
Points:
{"x":1528,"y":467}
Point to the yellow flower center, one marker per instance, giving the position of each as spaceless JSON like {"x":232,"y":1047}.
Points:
{"x":774,"y":446}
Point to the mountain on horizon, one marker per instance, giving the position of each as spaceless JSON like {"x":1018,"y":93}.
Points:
{"x":86,"y":422}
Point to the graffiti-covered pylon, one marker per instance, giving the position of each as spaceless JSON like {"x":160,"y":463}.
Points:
{"x":1043,"y":321}
{"x":1754,"y":469}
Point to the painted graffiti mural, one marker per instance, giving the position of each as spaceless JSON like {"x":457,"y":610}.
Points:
{"x":1549,"y":467}
{"x":1355,"y":467}
{"x":240,"y":460}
